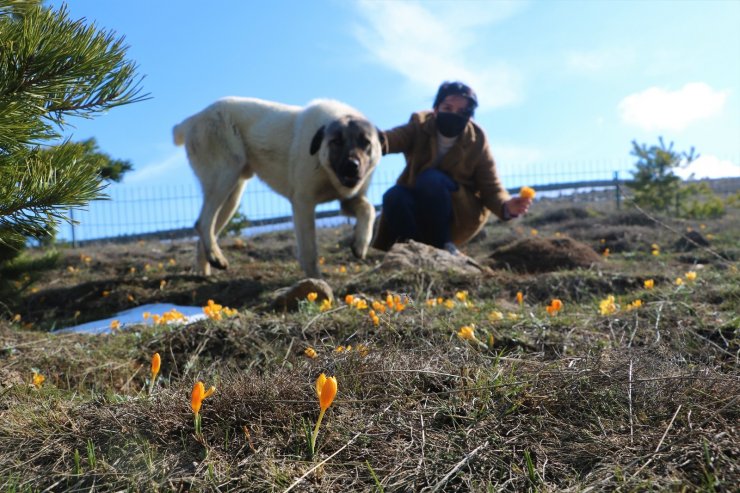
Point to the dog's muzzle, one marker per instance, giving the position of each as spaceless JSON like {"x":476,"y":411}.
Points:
{"x":349,"y":172}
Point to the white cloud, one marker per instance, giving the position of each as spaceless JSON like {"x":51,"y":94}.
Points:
{"x":171,"y":165}
{"x":427,"y":43}
{"x":710,"y":167}
{"x":660,"y":109}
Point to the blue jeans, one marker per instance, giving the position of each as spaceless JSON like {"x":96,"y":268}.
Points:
{"x":422,"y":212}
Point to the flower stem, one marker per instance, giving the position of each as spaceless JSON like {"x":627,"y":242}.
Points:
{"x":316,"y":430}
{"x":197,"y":423}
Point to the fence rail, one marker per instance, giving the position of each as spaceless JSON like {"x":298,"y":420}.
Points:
{"x":134,"y":213}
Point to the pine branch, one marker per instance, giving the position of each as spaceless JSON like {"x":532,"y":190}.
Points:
{"x":37,"y":194}
{"x":54,"y":68}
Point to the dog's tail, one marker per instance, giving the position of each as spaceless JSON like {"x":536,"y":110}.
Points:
{"x":178,"y":133}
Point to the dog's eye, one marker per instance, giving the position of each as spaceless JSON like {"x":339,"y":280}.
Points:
{"x":363,"y":141}
{"x":337,"y":141}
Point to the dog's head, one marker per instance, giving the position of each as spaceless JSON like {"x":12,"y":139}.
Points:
{"x":349,"y":147}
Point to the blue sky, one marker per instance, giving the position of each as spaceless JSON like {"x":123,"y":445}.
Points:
{"x":561,"y":84}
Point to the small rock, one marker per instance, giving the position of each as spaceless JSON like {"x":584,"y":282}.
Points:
{"x":414,"y":255}
{"x":286,"y":299}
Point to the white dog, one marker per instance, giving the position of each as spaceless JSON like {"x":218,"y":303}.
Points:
{"x":318,"y":153}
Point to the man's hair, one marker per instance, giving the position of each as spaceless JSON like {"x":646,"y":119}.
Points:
{"x":457,"y":88}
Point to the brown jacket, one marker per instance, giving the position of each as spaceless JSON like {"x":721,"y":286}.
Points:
{"x":469,"y":163}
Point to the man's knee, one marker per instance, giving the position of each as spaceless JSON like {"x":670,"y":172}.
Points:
{"x":396,"y":196}
{"x":435,"y":181}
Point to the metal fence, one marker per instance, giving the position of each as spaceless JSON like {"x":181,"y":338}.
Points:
{"x":133,"y":212}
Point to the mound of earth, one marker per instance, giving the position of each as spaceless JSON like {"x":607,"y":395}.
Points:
{"x":622,"y":238}
{"x":631,"y":218}
{"x":560,"y":215}
{"x":544,"y":255}
{"x":691,"y":241}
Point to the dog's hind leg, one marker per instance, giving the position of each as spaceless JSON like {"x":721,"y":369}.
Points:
{"x":230,"y":206}
{"x":361,"y":208}
{"x":219,"y":190}
{"x":201,"y":263}
{"x":227,"y":211}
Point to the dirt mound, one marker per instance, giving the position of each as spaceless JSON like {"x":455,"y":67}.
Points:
{"x":622,"y":238}
{"x":560,"y":215}
{"x":544,"y":255}
{"x":691,"y":241}
{"x":631,"y":218}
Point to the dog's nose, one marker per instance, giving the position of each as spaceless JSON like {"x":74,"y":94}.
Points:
{"x":353,"y":166}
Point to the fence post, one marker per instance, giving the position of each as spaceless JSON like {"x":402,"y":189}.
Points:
{"x":617,"y":191}
{"x":72,"y":227}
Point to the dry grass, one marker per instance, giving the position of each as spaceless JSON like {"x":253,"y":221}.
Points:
{"x":638,"y":400}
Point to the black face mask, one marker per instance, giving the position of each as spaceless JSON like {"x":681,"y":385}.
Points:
{"x":451,"y":124}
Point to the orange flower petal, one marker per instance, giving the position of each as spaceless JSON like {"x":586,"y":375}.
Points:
{"x":328,"y":392}
{"x":196,"y":398}
{"x":320,"y":384}
{"x":156,"y":363}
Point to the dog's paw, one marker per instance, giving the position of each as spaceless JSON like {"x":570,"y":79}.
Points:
{"x":218,"y":262}
{"x":359,"y":252}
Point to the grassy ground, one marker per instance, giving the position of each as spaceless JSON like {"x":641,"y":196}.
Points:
{"x":633,"y":400}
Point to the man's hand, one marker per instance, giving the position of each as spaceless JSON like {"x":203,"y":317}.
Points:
{"x":517,"y":206}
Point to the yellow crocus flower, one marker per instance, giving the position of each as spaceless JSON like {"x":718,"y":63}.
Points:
{"x":38,"y":379}
{"x":156,"y":365}
{"x":527,"y":192}
{"x":325,"y":305}
{"x":554,"y":307}
{"x":466,"y":332}
{"x":196,"y":400}
{"x":634,"y":305}
{"x":608,"y":306}
{"x":326,"y":390}
{"x":199,"y":394}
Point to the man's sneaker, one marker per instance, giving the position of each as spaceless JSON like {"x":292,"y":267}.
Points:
{"x":451,"y":247}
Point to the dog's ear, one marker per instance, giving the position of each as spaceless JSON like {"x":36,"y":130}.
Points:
{"x":316,"y":141}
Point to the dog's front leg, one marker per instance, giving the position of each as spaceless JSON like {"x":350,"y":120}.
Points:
{"x":363,"y":210}
{"x":304,"y":220}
